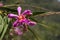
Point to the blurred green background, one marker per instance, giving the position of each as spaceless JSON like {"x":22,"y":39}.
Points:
{"x":48,"y":27}
{"x":53,"y":5}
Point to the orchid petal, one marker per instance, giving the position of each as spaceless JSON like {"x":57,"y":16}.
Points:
{"x":15,"y":24}
{"x":26,"y":21}
{"x":12,"y":16}
{"x":27,"y":12}
{"x":19,"y":10}
{"x":31,"y":23}
{"x":18,"y":31}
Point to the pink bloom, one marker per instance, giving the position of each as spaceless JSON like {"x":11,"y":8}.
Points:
{"x":18,"y":31}
{"x":1,"y":4}
{"x":21,"y":18}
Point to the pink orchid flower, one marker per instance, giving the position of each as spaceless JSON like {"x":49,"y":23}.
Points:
{"x":21,"y":18}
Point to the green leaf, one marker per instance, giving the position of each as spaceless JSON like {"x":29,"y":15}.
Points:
{"x":1,"y":24}
{"x":6,"y":20}
{"x":4,"y":31}
{"x":37,"y":13}
{"x":32,"y":18}
{"x":33,"y":33}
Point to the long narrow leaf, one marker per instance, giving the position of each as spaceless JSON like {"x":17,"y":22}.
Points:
{"x":1,"y":24}
{"x":33,"y":33}
{"x":4,"y":31}
{"x":37,"y":13}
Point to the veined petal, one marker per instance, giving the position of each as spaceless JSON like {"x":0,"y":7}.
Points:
{"x":18,"y":31}
{"x":31,"y":23}
{"x":12,"y":16}
{"x":19,"y":10}
{"x":27,"y":12}
{"x":15,"y":24}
